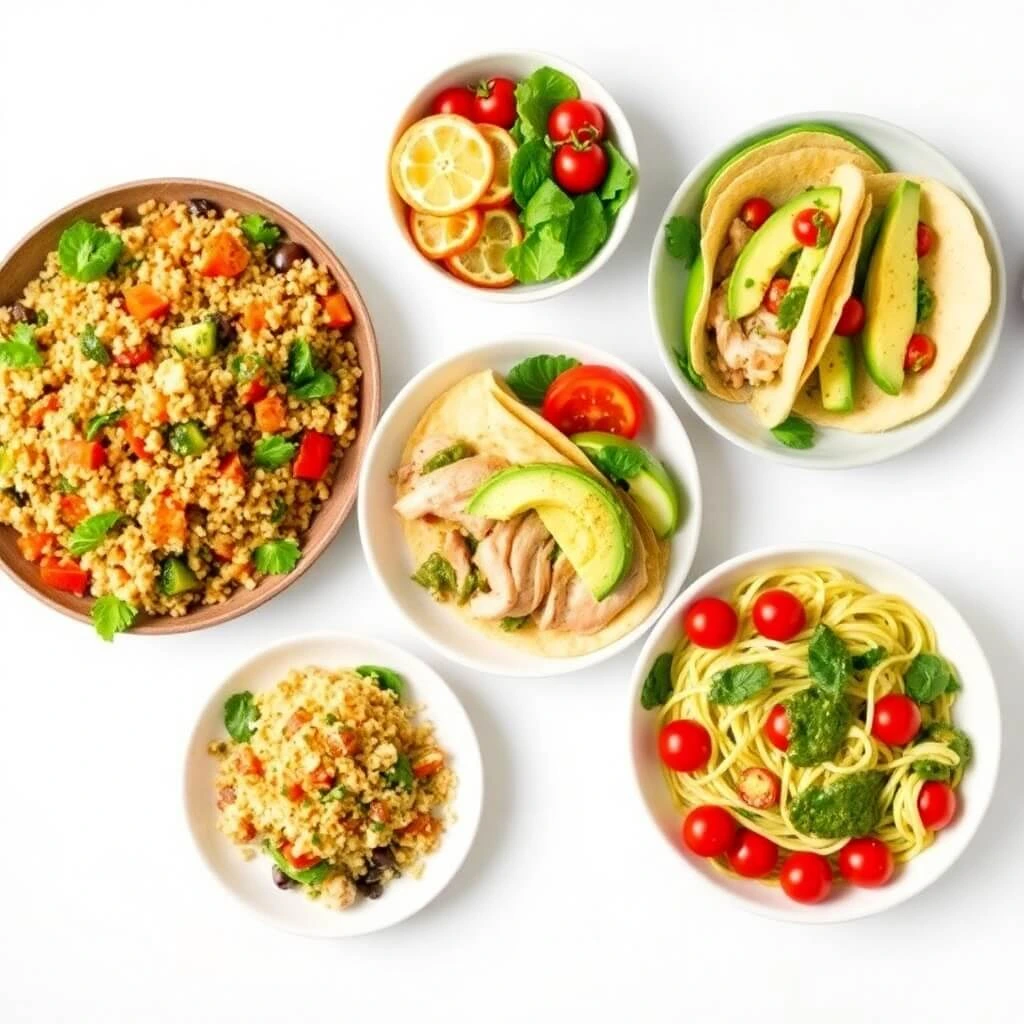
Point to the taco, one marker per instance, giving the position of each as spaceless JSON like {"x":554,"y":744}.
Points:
{"x":921,"y":284}
{"x":511,"y":525}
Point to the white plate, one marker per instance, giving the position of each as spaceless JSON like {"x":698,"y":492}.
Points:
{"x":834,"y":449}
{"x":384,"y":542}
{"x":976,"y":711}
{"x":249,"y":882}
{"x":518,"y":66}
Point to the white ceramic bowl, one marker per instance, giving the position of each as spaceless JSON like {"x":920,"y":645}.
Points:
{"x":834,"y":449}
{"x":977,"y":712}
{"x":249,"y":882}
{"x":384,"y":543}
{"x":518,"y":66}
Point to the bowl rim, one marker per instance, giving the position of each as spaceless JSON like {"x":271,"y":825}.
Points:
{"x":469,"y":817}
{"x":956,"y":397}
{"x":823,"y":913}
{"x":621,"y":129}
{"x":370,"y":401}
{"x":546,"y":666}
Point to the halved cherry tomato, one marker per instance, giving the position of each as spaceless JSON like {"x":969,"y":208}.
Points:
{"x":579,"y":166}
{"x":300,"y":862}
{"x":925,"y":239}
{"x":806,"y":877}
{"x":851,"y":320}
{"x":777,"y":727}
{"x":144,"y":302}
{"x":759,"y":788}
{"x":421,"y":825}
{"x":710,"y":622}
{"x":223,"y":256}
{"x":73,"y":509}
{"x":494,"y":102}
{"x":813,"y":228}
{"x":752,"y":855}
{"x":576,"y":119}
{"x":684,"y":745}
{"x":594,"y":398}
{"x":897,"y":720}
{"x":867,"y":862}
{"x":135,"y":356}
{"x":709,"y":830}
{"x":83,"y":454}
{"x":337,"y":309}
{"x":775,"y":294}
{"x":755,"y":212}
{"x":455,"y":100}
{"x":778,"y":615}
{"x":920,"y":354}
{"x":64,"y":574}
{"x":314,"y":456}
{"x":936,"y":804}
{"x":34,"y":545}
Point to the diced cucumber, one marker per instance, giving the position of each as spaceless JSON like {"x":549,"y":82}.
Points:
{"x":197,"y":341}
{"x":188,"y":438}
{"x":176,"y":577}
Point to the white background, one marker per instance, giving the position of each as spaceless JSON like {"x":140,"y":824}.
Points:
{"x":568,"y":905}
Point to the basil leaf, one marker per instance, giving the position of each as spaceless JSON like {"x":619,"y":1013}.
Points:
{"x":531,"y":378}
{"x":445,"y":457}
{"x":89,"y":533}
{"x":682,"y":239}
{"x":791,"y":308}
{"x":97,"y":424}
{"x":738,"y":683}
{"x":537,"y":257}
{"x":537,"y":96}
{"x":828,"y":660}
{"x":928,"y":678}
{"x":549,"y":202}
{"x":794,"y":432}
{"x":273,"y":451}
{"x":400,"y":776}
{"x":259,"y":230}
{"x":20,"y":350}
{"x":320,"y":385}
{"x":385,"y":678}
{"x":869,"y":659}
{"x":925,"y":301}
{"x":618,"y":464}
{"x":240,"y":716}
{"x":111,"y":615}
{"x":530,"y":168}
{"x":618,"y":181}
{"x":86,"y":252}
{"x":301,"y":366}
{"x":586,"y":232}
{"x":93,"y":348}
{"x":276,"y":557}
{"x":657,"y":686}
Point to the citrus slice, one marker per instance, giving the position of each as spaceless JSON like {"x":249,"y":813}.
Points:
{"x":499,"y":192}
{"x":442,"y":165}
{"x":484,"y":264}
{"x":440,"y":237}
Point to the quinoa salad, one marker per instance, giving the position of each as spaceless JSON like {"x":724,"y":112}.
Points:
{"x":335,"y":779}
{"x":176,"y":390}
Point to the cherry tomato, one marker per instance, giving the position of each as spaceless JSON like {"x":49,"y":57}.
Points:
{"x":579,"y":167}
{"x":455,"y":100}
{"x":813,"y":228}
{"x":925,"y":239}
{"x":759,"y":788}
{"x":897,"y":720}
{"x":851,"y":320}
{"x":777,"y":727}
{"x":494,"y":102}
{"x":755,"y":212}
{"x":806,"y":877}
{"x":594,"y":398}
{"x":752,"y":855}
{"x":775,"y":294}
{"x":576,"y":120}
{"x":684,"y":745}
{"x":936,"y":804}
{"x":709,"y":830}
{"x":920,"y":354}
{"x":867,"y":862}
{"x":710,"y":622}
{"x":778,"y":615}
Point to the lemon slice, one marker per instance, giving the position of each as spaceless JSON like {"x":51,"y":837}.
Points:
{"x":484,"y":264}
{"x":499,"y":192}
{"x":442,"y":165}
{"x":440,"y":237}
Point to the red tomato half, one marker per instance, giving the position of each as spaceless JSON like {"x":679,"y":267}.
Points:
{"x":684,"y":745}
{"x":897,"y":720}
{"x":813,"y":228}
{"x":494,"y":102}
{"x":778,"y":615}
{"x":866,"y":862}
{"x":755,"y":212}
{"x":936,"y":804}
{"x":455,"y":100}
{"x":806,"y":877}
{"x":710,"y":622}
{"x":576,"y":119}
{"x":851,"y":320}
{"x":709,"y":830}
{"x":920,"y":354}
{"x":775,"y":294}
{"x":594,"y":398}
{"x":579,"y":166}
{"x":925,"y":239}
{"x":752,"y":855}
{"x":777,"y":727}
{"x":759,"y":788}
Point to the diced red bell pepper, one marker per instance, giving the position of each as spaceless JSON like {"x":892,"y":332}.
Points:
{"x":136,"y":441}
{"x":136,"y":356}
{"x":314,"y":456}
{"x":144,"y":302}
{"x":255,"y":391}
{"x":64,"y":574}
{"x":83,"y":454}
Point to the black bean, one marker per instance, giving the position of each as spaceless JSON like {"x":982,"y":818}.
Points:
{"x":284,"y":254}
{"x":281,"y":880}
{"x":21,"y":314}
{"x":226,"y":332}
{"x":371,"y":890}
{"x":202,"y":207}
{"x":384,"y":857}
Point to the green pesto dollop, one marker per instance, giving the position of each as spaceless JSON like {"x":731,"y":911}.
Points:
{"x":847,"y":807}
{"x":819,"y":723}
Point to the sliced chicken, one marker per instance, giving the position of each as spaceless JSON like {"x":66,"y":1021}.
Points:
{"x":493,"y":555}
{"x":426,"y":449}
{"x":739,"y":235}
{"x":456,"y":550}
{"x":515,"y":559}
{"x":750,"y":351}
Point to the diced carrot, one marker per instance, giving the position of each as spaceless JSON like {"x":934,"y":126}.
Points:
{"x":223,"y":256}
{"x":337,"y":309}
{"x":232,"y":470}
{"x":64,"y":574}
{"x":144,"y":302}
{"x":254,"y":391}
{"x":48,"y":403}
{"x":254,"y":317}
{"x":135,"y":356}
{"x":164,"y":227}
{"x":34,"y":545}
{"x":421,"y":825}
{"x":83,"y":454}
{"x":169,"y":523}
{"x":73,"y":509}
{"x":270,"y":414}
{"x":380,"y":812}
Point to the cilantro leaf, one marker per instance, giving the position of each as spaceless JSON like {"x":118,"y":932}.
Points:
{"x":87,"y":252}
{"x":682,"y":239}
{"x":111,"y":615}
{"x":531,"y":378}
{"x":791,"y":308}
{"x":276,"y":557}
{"x":20,"y":350}
{"x":97,"y":424}
{"x":273,"y":451}
{"x":794,"y":432}
{"x":259,"y":230}
{"x":89,"y":533}
{"x":400,"y":776}
{"x":240,"y":716}
{"x":657,"y":686}
{"x":93,"y":348}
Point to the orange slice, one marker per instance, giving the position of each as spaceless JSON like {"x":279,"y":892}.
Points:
{"x":442,"y":165}
{"x":499,"y":192}
{"x":440,"y":237}
{"x":484,"y":264}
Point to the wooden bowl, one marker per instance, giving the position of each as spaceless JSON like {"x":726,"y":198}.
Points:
{"x":25,"y":262}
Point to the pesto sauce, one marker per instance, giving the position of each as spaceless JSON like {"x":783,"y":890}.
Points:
{"x":847,"y":807}
{"x":436,"y":575}
{"x":818,"y":725}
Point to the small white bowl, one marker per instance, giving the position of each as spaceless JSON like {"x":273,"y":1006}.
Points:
{"x":249,"y":881}
{"x":833,"y":449}
{"x":387,"y":553}
{"x":518,"y":66}
{"x":976,"y":711}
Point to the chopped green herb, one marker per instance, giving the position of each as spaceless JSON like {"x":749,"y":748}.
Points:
{"x":738,"y":683}
{"x":794,"y":432}
{"x":111,"y":615}
{"x":97,"y":424}
{"x":400,"y":776}
{"x":279,"y":511}
{"x":273,"y":451}
{"x":247,"y":367}
{"x":89,"y":533}
{"x":87,"y":252}
{"x":65,"y":486}
{"x":241,"y":716}
{"x":276,"y":557}
{"x":259,"y":230}
{"x":682,"y":239}
{"x":20,"y":351}
{"x":928,"y":678}
{"x":93,"y":348}
{"x":925,"y":300}
{"x":385,"y":678}
{"x":512,"y":623}
{"x":826,"y":229}
{"x":828,"y":660}
{"x":531,"y":378}
{"x":140,"y":489}
{"x":869,"y":659}
{"x":686,"y":367}
{"x":436,"y":575}
{"x":338,"y":792}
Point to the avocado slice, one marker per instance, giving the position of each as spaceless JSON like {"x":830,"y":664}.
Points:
{"x":836,"y":375}
{"x":634,"y":469}
{"x":773,"y":243}
{"x":176,"y":577}
{"x":890,"y":289}
{"x":588,"y":521}
{"x":198,"y":341}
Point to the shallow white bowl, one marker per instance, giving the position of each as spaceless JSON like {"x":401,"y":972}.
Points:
{"x":249,"y":882}
{"x":518,"y":66}
{"x":384,"y":543}
{"x":834,"y":449}
{"x":976,"y":711}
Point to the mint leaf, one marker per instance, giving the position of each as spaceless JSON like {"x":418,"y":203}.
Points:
{"x":320,"y":385}
{"x":93,"y":348}
{"x":385,"y":678}
{"x":273,"y":451}
{"x":657,"y":686}
{"x":111,"y":615}
{"x":97,"y":424}
{"x":276,"y":557}
{"x":86,"y":252}
{"x":20,"y":350}
{"x":240,"y":716}
{"x":738,"y":683}
{"x":549,"y":202}
{"x":537,"y":257}
{"x":259,"y":230}
{"x":89,"y":533}
{"x":531,"y":378}
{"x":530,"y":168}
{"x":301,"y":366}
{"x":682,"y":239}
{"x":794,"y":432}
{"x":585,"y":234}
{"x":537,"y":96}
{"x":618,"y":464}
{"x":618,"y":182}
